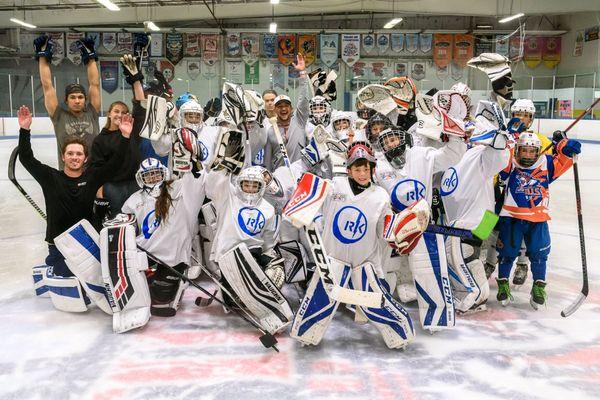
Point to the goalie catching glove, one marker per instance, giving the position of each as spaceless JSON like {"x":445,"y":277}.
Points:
{"x":403,"y":230}
{"x":185,"y":149}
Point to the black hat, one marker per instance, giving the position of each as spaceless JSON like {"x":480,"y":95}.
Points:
{"x":74,"y":88}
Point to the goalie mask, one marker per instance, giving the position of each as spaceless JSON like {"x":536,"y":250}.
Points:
{"x":319,"y":111}
{"x":342,"y":123}
{"x":250,"y":185}
{"x":403,"y":91}
{"x":360,"y":150}
{"x":151,"y":175}
{"x":394,"y":142}
{"x":191,"y":116}
{"x":184,"y":98}
{"x":376,"y":124}
{"x":362,"y":111}
{"x":524,"y":109}
{"x":528,"y":149}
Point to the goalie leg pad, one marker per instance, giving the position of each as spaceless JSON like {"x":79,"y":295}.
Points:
{"x":391,"y":320}
{"x":317,"y":308}
{"x":126,"y":285}
{"x":434,"y":293}
{"x":79,"y":246}
{"x":38,"y":273}
{"x":399,"y":276}
{"x":464,"y":288}
{"x":254,"y":289}
{"x":66,"y":293}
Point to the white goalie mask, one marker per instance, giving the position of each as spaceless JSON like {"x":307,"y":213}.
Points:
{"x":319,"y":111}
{"x":151,"y":175}
{"x":523,"y":107}
{"x":250,"y":185}
{"x":341,"y":122}
{"x":191,"y":116}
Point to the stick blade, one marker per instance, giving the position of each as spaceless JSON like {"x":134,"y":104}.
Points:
{"x":269,"y":341}
{"x":574,"y":306}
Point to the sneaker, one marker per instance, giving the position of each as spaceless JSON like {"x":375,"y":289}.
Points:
{"x":503,"y":296}
{"x":489,"y":269}
{"x":538,"y":294}
{"x":520,"y":274}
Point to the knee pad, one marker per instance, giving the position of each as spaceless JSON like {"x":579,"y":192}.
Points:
{"x":66,"y":293}
{"x":38,"y":273}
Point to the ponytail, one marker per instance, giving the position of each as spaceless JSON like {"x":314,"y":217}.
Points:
{"x":163,"y":202}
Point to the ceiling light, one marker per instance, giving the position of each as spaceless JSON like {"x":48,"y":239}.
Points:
{"x":392,"y":23}
{"x":484,"y":26}
{"x":23,"y":23}
{"x":512,"y":17}
{"x":273,"y":27}
{"x":109,"y":4}
{"x":274,"y":1}
{"x":151,"y":25}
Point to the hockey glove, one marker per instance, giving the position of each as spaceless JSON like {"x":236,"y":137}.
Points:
{"x":43,"y":47}
{"x":557,"y":136}
{"x":130,"y":69}
{"x":515,"y":126}
{"x":88,"y":52}
{"x":141,"y":44}
{"x":571,"y":147}
{"x":185,"y":149}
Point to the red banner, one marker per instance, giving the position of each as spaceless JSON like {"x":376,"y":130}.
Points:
{"x":532,"y":51}
{"x":551,"y":47}
{"x":286,"y":49}
{"x":463,"y":49}
{"x":442,"y":49}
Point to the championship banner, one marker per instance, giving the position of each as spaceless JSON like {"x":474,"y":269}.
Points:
{"x":234,"y":71}
{"x":167,"y":69}
{"x":208,"y":71}
{"x":400,"y":69}
{"x":58,"y":39}
{"x":425,"y":42}
{"x":307,"y":46}
{"x":156,"y":45}
{"x":279,"y":74}
{"x":442,"y":72}
{"x":412,"y":42}
{"x":377,"y":70}
{"x":442,"y":49}
{"x":532,"y":51}
{"x":383,"y":43}
{"x":515,"y":52}
{"x":578,"y":48}
{"x":192,"y":44}
{"x":502,"y":45}
{"x":397,"y":42}
{"x":417,"y":71}
{"x":592,"y":33}
{"x":193,"y":68}
{"x":286,"y":49}
{"x":350,"y":48}
{"x":251,"y":74}
{"x":124,"y":43}
{"x":270,"y":45}
{"x":109,"y":41}
{"x":484,"y":44}
{"x":456,"y":71}
{"x":95,"y":36}
{"x":210,"y":48}
{"x":174,"y":51}
{"x":233,"y":45}
{"x":250,"y":47}
{"x":368,"y":42}
{"x":329,"y":50}
{"x":463,"y":49}
{"x":73,"y":53}
{"x":359,"y":69}
{"x":551,"y":47}
{"x":109,"y":75}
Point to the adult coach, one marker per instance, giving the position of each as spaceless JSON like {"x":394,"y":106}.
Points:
{"x":80,"y":118}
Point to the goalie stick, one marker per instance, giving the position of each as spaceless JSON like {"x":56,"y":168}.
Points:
{"x":12,"y":161}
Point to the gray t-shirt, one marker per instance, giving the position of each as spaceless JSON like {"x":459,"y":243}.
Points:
{"x":85,"y":126}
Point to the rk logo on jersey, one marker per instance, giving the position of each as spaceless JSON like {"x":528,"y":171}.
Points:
{"x":203,"y":151}
{"x":449,"y":181}
{"x":407,"y":192}
{"x":251,"y":220}
{"x":150,"y":224}
{"x":349,"y":225}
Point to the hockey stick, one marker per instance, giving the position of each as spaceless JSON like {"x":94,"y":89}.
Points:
{"x":267,"y":339}
{"x":11,"y":175}
{"x":482,"y":231}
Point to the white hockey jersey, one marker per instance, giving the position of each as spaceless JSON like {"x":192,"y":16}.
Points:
{"x":169,"y":240}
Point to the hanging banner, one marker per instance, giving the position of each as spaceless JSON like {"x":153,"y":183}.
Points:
{"x":193,"y":68}
{"x":442,"y":72}
{"x":592,"y":33}
{"x":425,"y":41}
{"x":192,"y":44}
{"x":515,"y":51}
{"x":502,"y":45}
{"x":412,"y":42}
{"x":251,"y":73}
{"x":368,"y":42}
{"x":578,"y":48}
{"x":292,"y":73}
{"x":95,"y":36}
{"x":397,"y":42}
{"x":208,"y":71}
{"x":124,"y":43}
{"x":250,"y":47}
{"x":58,"y":39}
{"x":377,"y":70}
{"x":383,"y":43}
{"x":73,"y":53}
{"x":400,"y":69}
{"x":350,"y":48}
{"x":234,"y":71}
{"x":484,"y":44}
{"x":532,"y":51}
{"x":109,"y":75}
{"x":329,"y":48}
{"x":233,"y":45}
{"x":109,"y":41}
{"x":156,"y":45}
{"x":551,"y":47}
{"x":456,"y":71}
{"x":270,"y":45}
{"x":286,"y":49}
{"x":279,"y":76}
{"x":168,"y":69}
{"x":210,"y":48}
{"x":463,"y":49}
{"x":174,"y":47}
{"x":418,"y":71}
{"x":359,"y":69}
{"x":442,"y":49}
{"x":307,"y":46}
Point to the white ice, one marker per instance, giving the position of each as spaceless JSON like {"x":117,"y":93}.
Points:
{"x":505,"y":353}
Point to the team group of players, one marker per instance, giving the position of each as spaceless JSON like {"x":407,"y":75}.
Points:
{"x":373,"y":208}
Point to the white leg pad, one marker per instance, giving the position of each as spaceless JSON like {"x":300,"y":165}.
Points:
{"x":38,"y":273}
{"x":464,"y":288}
{"x":66,"y":292}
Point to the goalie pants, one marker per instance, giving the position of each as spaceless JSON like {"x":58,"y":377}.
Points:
{"x":536,"y":235}
{"x":56,"y":260}
{"x":164,"y":284}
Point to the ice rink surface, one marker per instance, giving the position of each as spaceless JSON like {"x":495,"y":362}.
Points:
{"x":504,"y":353}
